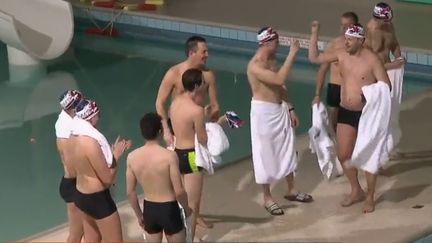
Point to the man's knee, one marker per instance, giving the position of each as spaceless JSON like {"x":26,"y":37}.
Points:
{"x":344,"y":157}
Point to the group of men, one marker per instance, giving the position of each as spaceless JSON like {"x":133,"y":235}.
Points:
{"x":171,"y":180}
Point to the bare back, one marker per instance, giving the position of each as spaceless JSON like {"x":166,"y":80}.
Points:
{"x":183,"y":112}
{"x":151,"y":165}
{"x":261,"y":90}
{"x":87,"y":179}
{"x":382,"y":40}
{"x":64,"y":149}
{"x":356,"y":71}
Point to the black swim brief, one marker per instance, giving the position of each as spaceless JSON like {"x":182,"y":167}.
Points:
{"x":162,"y":216}
{"x":68,"y":189}
{"x":98,"y":205}
{"x":333,"y":95}
{"x":187,"y":162}
{"x":349,"y":117}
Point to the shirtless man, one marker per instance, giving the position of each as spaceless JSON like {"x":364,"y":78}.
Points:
{"x":197,"y":54}
{"x":68,"y":102}
{"x":381,"y":36}
{"x":358,"y":67}
{"x":186,"y":122}
{"x":156,"y":169}
{"x":270,"y":100}
{"x":333,"y":89}
{"x":94,"y":175}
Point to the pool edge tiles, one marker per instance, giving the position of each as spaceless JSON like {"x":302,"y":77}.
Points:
{"x":223,"y":31}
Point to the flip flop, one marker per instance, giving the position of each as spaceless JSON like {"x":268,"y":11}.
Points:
{"x":274,"y":210}
{"x":299,"y":197}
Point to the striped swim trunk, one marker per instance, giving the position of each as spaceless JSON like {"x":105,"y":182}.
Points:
{"x":187,"y":161}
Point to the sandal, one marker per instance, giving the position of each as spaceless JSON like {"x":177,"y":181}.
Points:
{"x":274,"y":209}
{"x":299,"y":197}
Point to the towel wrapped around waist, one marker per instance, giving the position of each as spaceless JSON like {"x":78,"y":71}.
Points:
{"x":273,"y":141}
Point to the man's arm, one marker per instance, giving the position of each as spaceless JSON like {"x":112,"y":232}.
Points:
{"x":313,"y":53}
{"x":380,"y":72}
{"x":98,"y":162}
{"x":396,"y":50}
{"x":284,"y":96}
{"x":320,"y":78}
{"x":276,"y":78}
{"x":199,"y":125}
{"x":130,"y":188}
{"x":176,"y":181}
{"x":373,"y":39}
{"x":165,"y":89}
{"x":212,"y":92}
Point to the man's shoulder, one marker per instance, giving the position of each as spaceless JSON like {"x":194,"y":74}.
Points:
{"x":254,"y":63}
{"x":175,"y":69}
{"x":371,"y":55}
{"x":372,"y":27}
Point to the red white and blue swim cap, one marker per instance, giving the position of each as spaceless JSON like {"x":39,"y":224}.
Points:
{"x":355,"y":30}
{"x":383,"y":11}
{"x":87,"y":109}
{"x":70,"y":98}
{"x":267,"y":34}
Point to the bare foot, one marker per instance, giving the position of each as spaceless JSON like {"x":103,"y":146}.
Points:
{"x":201,"y":222}
{"x":369,"y":206}
{"x":350,"y":200}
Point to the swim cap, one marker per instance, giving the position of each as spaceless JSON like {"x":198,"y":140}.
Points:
{"x":266,"y":34}
{"x":87,"y":109}
{"x":70,"y":98}
{"x":383,"y":11}
{"x":356,"y":31}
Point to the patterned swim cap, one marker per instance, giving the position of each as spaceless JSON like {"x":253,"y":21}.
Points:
{"x":355,"y":30}
{"x":383,"y":11}
{"x":87,"y":109}
{"x":70,"y":98}
{"x":266,"y":34}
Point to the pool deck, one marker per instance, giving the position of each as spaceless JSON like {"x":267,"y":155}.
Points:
{"x":231,"y":199}
{"x":411,"y":20}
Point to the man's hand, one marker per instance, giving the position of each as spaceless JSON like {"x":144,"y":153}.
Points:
{"x":141,"y":221}
{"x":168,"y":137}
{"x":295,"y":46}
{"x":316,"y":100}
{"x":119,"y":147}
{"x":294,"y":119}
{"x":188,"y":211}
{"x":315,"y":26}
{"x":399,"y":62}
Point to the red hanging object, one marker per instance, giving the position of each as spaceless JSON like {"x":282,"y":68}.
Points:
{"x":106,"y":32}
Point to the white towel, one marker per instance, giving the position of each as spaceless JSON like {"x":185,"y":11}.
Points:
{"x":370,"y":150}
{"x":187,"y":224}
{"x":273,"y":139}
{"x":395,"y":133}
{"x":321,"y":143}
{"x":63,"y":125}
{"x":217,"y":143}
{"x":82,"y":127}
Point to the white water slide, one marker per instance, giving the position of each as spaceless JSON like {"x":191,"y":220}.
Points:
{"x":35,"y":30}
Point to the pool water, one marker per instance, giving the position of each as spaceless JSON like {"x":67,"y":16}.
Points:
{"x":123,"y":76}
